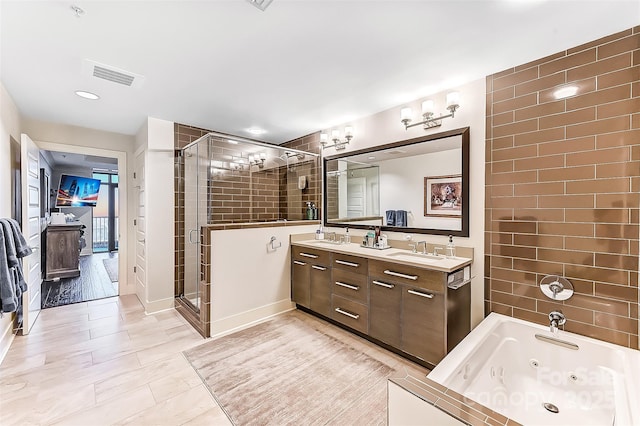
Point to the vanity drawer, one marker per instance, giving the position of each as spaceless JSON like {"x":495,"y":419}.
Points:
{"x":350,"y":263}
{"x":409,"y":275}
{"x":350,"y":313}
{"x":312,"y":256}
{"x":350,"y":285}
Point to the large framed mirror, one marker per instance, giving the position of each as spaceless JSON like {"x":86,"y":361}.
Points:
{"x":418,"y":185}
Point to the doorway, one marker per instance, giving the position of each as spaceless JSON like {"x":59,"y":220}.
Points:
{"x":97,"y":274}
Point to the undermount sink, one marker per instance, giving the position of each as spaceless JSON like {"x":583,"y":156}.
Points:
{"x":327,"y":242}
{"x":415,"y":256}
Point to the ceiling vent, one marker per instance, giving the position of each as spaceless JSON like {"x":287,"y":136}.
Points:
{"x":260,"y":4}
{"x":112,"y":74}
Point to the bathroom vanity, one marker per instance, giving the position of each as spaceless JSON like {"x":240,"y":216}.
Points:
{"x":411,"y":303}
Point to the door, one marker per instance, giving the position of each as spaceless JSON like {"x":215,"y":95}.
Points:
{"x":357,"y":197}
{"x":31,"y":299}
{"x":196,"y":169}
{"x":141,"y":227}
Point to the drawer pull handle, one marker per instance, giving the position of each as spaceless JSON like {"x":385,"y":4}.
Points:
{"x":344,"y":262}
{"x":421,"y":294}
{"x":319,"y":268}
{"x":398,"y":274}
{"x":349,"y":286}
{"x":297,"y":262}
{"x":313,"y":256}
{"x":349,"y":314}
{"x":380,"y":283}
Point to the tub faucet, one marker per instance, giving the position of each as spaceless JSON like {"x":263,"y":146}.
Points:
{"x":556,"y":319}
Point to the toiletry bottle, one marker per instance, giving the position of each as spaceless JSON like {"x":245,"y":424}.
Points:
{"x":377,"y":236}
{"x":315,"y":211}
{"x":347,"y":237}
{"x":309,"y":212}
{"x":321,"y":233}
{"x":451,"y":249}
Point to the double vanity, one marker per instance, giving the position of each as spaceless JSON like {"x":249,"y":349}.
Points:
{"x":415,"y":304}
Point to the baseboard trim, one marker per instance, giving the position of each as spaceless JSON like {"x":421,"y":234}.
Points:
{"x":7,"y":338}
{"x":237,"y":322}
{"x":155,"y":306}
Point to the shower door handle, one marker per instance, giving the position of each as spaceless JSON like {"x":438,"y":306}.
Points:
{"x":191,"y":231}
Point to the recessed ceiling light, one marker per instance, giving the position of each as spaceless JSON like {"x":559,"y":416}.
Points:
{"x":565,"y":92}
{"x":232,"y":142}
{"x":371,"y":157}
{"x":87,"y":95}
{"x":256,"y":131}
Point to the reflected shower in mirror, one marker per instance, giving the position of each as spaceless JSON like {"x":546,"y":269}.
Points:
{"x":418,"y":185}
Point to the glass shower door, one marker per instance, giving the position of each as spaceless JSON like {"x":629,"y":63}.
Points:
{"x":195,"y":169}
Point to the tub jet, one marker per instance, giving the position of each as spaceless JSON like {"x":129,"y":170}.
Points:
{"x":551,"y":408}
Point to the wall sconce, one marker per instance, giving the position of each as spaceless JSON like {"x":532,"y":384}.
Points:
{"x":335,"y":137}
{"x":428,"y":119}
{"x":257,"y":159}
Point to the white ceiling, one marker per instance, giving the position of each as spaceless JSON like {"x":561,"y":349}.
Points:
{"x":298,"y":67}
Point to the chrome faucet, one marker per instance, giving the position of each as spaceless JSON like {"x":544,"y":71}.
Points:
{"x":424,"y":246}
{"x":331,"y":236}
{"x":556,"y":319}
{"x":413,"y":247}
{"x":436,"y":249}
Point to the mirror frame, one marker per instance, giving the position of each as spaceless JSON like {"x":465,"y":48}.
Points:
{"x":463,"y":232}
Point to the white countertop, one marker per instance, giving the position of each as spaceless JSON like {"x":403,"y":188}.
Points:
{"x":404,"y":257}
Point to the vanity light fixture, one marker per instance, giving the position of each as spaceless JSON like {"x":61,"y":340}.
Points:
{"x":338,"y":143}
{"x":257,"y":159}
{"x":429,"y":121}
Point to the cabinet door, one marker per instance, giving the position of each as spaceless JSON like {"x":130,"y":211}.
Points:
{"x":300,"y":282}
{"x":385,"y":302}
{"x":423,"y":331}
{"x":63,"y":251}
{"x":320,"y":283}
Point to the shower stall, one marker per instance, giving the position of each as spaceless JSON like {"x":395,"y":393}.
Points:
{"x":226,"y":180}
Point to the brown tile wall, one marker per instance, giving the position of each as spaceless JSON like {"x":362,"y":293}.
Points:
{"x":562,"y":187}
{"x":313,"y":170}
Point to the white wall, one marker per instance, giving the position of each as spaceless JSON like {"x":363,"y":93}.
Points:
{"x":249,"y":281}
{"x":385,"y":127}
{"x":402,"y":186}
{"x":10,"y":123}
{"x":156,"y":139}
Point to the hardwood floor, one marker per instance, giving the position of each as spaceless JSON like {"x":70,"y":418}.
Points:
{"x":93,"y":283}
{"x":105,"y":362}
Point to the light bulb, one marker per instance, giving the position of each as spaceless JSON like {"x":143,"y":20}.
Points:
{"x":453,"y":99}
{"x":427,"y":107}
{"x":406,"y":113}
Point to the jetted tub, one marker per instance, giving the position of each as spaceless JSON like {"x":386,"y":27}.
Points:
{"x":535,"y":377}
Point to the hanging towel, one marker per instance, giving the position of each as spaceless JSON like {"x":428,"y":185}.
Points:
{"x":391,"y":217}
{"x":13,"y":247}
{"x":401,"y":218}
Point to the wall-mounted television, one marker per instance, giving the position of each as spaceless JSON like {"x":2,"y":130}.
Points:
{"x":77,"y":191}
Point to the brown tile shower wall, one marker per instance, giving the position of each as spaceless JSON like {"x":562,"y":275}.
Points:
{"x":313,"y":171}
{"x":562,"y":187}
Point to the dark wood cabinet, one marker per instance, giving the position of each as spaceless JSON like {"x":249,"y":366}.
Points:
{"x":62,"y":258}
{"x":320,"y":289}
{"x":410,"y":309}
{"x":385,"y":305}
{"x":300,"y":288}
{"x":423,"y":324}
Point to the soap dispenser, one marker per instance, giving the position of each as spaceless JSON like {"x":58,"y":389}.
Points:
{"x":451,"y":249}
{"x":347,"y":237}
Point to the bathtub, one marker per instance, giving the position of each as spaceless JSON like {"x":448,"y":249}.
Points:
{"x":536,"y":377}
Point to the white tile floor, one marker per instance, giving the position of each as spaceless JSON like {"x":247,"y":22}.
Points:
{"x":105,"y":362}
